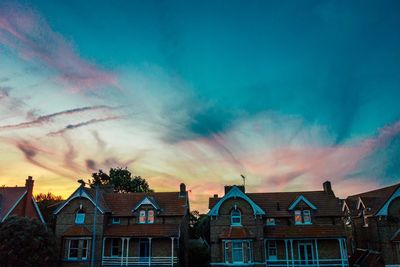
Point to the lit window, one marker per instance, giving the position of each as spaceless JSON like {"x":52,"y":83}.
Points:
{"x":236,"y":218}
{"x":306,"y":217}
{"x":116,"y":220}
{"x":297,"y":217}
{"x":85,"y":249}
{"x":272,"y":250}
{"x":271,"y":221}
{"x":150,"y":216}
{"x":142,"y":216}
{"x":73,"y":249}
{"x":80,"y":217}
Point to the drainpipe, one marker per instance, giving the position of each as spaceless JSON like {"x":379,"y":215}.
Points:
{"x":94,"y":226}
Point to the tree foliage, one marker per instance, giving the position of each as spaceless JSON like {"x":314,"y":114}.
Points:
{"x":122,"y":181}
{"x":47,"y":203}
{"x":26,"y":242}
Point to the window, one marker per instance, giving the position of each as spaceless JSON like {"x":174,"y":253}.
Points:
{"x":150,"y":216}
{"x":80,"y":217}
{"x":236,"y":218}
{"x":116,"y":220}
{"x":115,"y":247}
{"x":272,"y":250}
{"x":142,"y":216}
{"x":73,"y":249}
{"x":85,"y":246}
{"x":302,"y":217}
{"x":270,"y":221}
{"x":237,"y":252}
{"x":144,"y":250}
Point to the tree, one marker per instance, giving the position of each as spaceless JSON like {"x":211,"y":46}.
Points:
{"x":47,"y":204}
{"x":26,"y":242}
{"x":122,"y":181}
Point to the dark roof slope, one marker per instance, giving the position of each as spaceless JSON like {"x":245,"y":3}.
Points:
{"x":277,"y":204}
{"x":9,"y":197}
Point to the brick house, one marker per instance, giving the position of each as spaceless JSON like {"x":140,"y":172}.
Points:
{"x":373,"y":220}
{"x":132,"y":229}
{"x":277,"y":229}
{"x":19,"y":201}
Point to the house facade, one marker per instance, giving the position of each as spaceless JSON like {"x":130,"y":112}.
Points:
{"x":129,"y":229}
{"x":277,"y":229}
{"x":373,"y":220}
{"x":19,"y":201}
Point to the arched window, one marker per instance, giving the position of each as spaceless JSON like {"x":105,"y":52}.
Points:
{"x":80,"y":217}
{"x":236,"y":217}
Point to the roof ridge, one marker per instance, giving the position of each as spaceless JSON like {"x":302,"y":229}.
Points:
{"x":376,"y":190}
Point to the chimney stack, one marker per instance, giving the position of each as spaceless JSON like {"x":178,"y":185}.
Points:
{"x":182,"y":191}
{"x":29,"y":209}
{"x":328,"y":187}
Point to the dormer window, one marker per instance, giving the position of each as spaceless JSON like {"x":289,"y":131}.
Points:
{"x":116,"y":220}
{"x":302,"y":217}
{"x":236,"y":218}
{"x":146,"y":216}
{"x":80,"y":217}
{"x":270,"y":222}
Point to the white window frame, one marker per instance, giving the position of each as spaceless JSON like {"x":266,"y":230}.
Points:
{"x":229,"y":251}
{"x":69,"y":250}
{"x":304,"y":216}
{"x":148,"y":216}
{"x":239,"y":216}
{"x":270,"y":222}
{"x":85,"y":257}
{"x":116,"y":220}
{"x":142,"y":213}
{"x":239,"y":248}
{"x":271,"y":244}
{"x":118,"y":241}
{"x":80,"y":217}
{"x":298,"y":212}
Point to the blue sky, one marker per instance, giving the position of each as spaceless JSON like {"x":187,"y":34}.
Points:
{"x":201,"y":91}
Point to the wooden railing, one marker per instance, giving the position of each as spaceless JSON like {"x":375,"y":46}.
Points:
{"x":313,"y":263}
{"x":139,"y":261}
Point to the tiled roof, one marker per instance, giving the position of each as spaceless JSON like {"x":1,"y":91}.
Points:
{"x":8,"y":197}
{"x":236,"y":233}
{"x":77,"y":231}
{"x":366,"y":258}
{"x":170,"y":203}
{"x":277,"y":204}
{"x":304,"y":231}
{"x":376,"y":198}
{"x":143,"y":230}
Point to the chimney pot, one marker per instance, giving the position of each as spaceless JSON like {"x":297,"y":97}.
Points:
{"x":328,"y":187}
{"x":215,"y":195}
{"x":182,"y":191}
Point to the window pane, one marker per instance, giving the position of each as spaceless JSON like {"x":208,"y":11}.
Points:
{"x":307,"y":216}
{"x":237,"y":252}
{"x":115,"y":247}
{"x":142,"y":216}
{"x":297,"y":217}
{"x":236,"y":217}
{"x":85,"y":244}
{"x":150,"y":216}
{"x":73,"y":248}
{"x":80,"y":218}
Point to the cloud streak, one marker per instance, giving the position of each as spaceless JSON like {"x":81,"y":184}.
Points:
{"x":26,"y":32}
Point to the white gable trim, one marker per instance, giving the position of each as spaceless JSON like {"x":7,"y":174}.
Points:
{"x":383,"y":211}
{"x":305,"y":200}
{"x":235,"y":192}
{"x":38,"y":210}
{"x":146,"y":201}
{"x":360,"y":202}
{"x":345,"y":206}
{"x":13,"y":207}
{"x":79,"y":193}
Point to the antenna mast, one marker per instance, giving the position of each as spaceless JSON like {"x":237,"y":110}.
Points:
{"x":244,"y":180}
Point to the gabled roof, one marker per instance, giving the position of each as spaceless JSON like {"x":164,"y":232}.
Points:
{"x":143,"y":230}
{"x":9,"y":199}
{"x":277,"y":204}
{"x":301,"y":198}
{"x":122,"y":204}
{"x":236,"y":232}
{"x":147,"y":200}
{"x":235,"y":192}
{"x":377,"y":201}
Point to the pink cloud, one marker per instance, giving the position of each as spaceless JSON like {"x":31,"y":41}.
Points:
{"x":27,"y":33}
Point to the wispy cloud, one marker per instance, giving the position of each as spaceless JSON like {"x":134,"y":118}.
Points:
{"x":26,"y":32}
{"x":48,"y":118}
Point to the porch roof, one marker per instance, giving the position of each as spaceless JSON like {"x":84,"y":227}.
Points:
{"x":77,"y":231}
{"x":142,"y":230}
{"x":236,"y":233}
{"x":304,"y":231}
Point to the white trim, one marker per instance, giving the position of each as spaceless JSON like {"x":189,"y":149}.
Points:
{"x":360,"y":202}
{"x":235,"y":192}
{"x":305,"y":200}
{"x":14,"y":206}
{"x":383,"y":211}
{"x":38,"y":210}
{"x":79,"y":193}
{"x":146,"y":201}
{"x":345,"y":206}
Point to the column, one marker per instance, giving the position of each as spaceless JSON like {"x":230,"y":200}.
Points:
{"x":291,"y":249}
{"x":172,"y":251}
{"x":287,"y":253}
{"x":150,"y":251}
{"x":341,"y":251}
{"x":127,"y":250}
{"x":316,"y":252}
{"x":102,"y":250}
{"x":122,"y":250}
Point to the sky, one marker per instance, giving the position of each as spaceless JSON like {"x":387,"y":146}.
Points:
{"x":289,"y":94}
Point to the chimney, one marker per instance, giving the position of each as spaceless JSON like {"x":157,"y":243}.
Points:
{"x":229,"y":187}
{"x":182,"y":191}
{"x":29,"y":209}
{"x":328,"y":187}
{"x":215,"y":195}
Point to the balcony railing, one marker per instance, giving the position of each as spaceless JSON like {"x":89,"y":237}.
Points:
{"x":139,"y":261}
{"x":313,"y":263}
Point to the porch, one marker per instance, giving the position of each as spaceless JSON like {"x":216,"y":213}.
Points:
{"x":128,"y":251}
{"x":306,"y":252}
